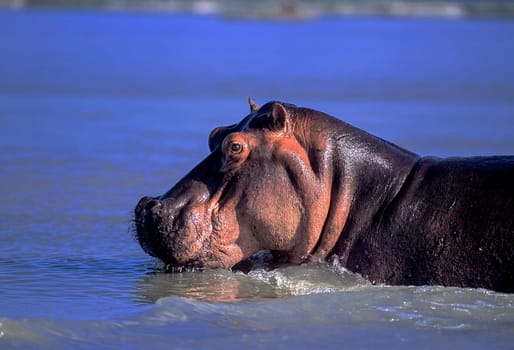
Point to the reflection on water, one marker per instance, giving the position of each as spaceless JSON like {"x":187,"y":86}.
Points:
{"x":258,"y":284}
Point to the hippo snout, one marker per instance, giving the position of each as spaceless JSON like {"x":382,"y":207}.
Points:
{"x":149,"y":219}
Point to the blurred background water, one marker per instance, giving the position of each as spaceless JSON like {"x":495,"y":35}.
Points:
{"x":102,"y":102}
{"x":290,"y":9}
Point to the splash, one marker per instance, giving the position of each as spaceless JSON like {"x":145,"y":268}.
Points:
{"x":328,"y":277}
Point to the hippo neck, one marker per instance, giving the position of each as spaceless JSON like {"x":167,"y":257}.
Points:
{"x":377,"y":170}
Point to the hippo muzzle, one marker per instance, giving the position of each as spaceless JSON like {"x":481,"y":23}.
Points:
{"x":173,"y":231}
{"x":185,"y":226}
{"x":153,"y":228}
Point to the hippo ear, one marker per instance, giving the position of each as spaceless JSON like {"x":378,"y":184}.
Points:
{"x":253,"y":106}
{"x":218,"y":134}
{"x":272,"y":116}
{"x":279,"y":118}
{"x":214,"y":138}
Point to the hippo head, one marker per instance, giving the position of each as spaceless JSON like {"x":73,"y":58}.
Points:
{"x":264,"y":186}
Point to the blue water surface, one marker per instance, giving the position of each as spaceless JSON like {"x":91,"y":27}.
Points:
{"x":98,"y":109}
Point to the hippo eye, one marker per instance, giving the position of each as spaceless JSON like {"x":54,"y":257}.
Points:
{"x":236,"y":148}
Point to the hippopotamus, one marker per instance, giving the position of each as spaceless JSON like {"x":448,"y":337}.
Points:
{"x":307,"y":187}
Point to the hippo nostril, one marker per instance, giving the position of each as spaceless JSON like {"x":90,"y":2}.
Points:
{"x":141,"y":205}
{"x":153,"y":204}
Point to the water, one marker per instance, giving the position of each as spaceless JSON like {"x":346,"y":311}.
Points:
{"x":99,"y":109}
